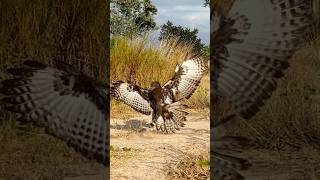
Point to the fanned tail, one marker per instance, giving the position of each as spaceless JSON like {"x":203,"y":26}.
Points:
{"x":175,"y":119}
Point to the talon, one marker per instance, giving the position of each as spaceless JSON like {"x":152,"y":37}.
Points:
{"x":150,"y":125}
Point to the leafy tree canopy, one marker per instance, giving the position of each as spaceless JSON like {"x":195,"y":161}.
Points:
{"x":206,"y":3}
{"x":132,"y":17}
{"x":183,"y":35}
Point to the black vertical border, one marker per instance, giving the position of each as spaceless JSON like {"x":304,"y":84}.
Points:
{"x":213,"y":92}
{"x":107,"y":177}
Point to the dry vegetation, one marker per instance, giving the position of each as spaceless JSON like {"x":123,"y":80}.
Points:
{"x":291,"y":117}
{"x":121,"y":155}
{"x":288,"y":126}
{"x":73,"y":31}
{"x":191,"y":167}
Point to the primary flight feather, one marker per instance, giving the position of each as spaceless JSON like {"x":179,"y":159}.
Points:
{"x":67,"y":103}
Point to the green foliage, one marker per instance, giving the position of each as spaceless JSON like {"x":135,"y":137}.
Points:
{"x":206,"y":53}
{"x":206,"y":3}
{"x":184,"y":36}
{"x":132,"y":17}
{"x":204,"y":162}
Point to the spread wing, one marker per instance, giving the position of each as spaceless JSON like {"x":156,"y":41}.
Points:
{"x":251,"y":48}
{"x":70,"y":106}
{"x":132,"y":95}
{"x":186,"y":79}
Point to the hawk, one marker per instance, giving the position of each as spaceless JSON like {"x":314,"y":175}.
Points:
{"x":163,"y":102}
{"x":68,"y":104}
{"x":251,"y":44}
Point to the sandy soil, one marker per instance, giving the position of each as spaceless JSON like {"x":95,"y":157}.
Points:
{"x":157,"y":151}
{"x":143,"y":154}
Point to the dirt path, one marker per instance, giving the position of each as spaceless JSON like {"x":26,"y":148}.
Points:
{"x":156,"y":151}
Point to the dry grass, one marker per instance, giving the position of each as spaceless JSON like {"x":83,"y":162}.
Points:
{"x":74,"y":31}
{"x":36,"y":155}
{"x":143,"y":61}
{"x":291,"y":118}
{"x":118,"y":156}
{"x":191,"y":167}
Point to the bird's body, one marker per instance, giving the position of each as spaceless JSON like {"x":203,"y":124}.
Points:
{"x":157,"y":102}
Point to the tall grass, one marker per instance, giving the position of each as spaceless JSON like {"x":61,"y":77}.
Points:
{"x":291,"y":118}
{"x":73,"y":31}
{"x":143,"y":61}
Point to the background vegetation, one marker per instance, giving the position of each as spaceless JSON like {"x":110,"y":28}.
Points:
{"x":291,"y":117}
{"x":183,"y":36}
{"x":74,"y":31}
{"x":134,"y":57}
{"x":132,"y":17}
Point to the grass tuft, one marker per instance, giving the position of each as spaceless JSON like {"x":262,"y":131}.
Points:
{"x":191,"y":167}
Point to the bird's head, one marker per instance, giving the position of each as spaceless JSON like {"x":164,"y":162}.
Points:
{"x":155,"y":85}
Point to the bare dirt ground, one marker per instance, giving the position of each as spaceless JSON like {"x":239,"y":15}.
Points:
{"x":153,"y":152}
{"x":141,"y":153}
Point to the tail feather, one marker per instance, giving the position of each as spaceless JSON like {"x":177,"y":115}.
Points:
{"x":178,"y":114}
{"x":176,"y":106}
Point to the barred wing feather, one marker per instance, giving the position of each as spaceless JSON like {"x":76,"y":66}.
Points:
{"x":70,"y":106}
{"x":187,"y":78}
{"x":252,"y":46}
{"x":133,"y":96}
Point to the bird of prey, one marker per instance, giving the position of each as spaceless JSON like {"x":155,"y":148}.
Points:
{"x":163,"y":102}
{"x":251,"y":43}
{"x":68,"y":104}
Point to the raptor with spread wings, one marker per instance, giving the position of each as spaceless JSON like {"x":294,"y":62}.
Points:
{"x":250,"y":48}
{"x":67,"y":103}
{"x":164,"y":102}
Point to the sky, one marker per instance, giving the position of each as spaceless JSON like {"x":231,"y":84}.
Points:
{"x":186,"y":13}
